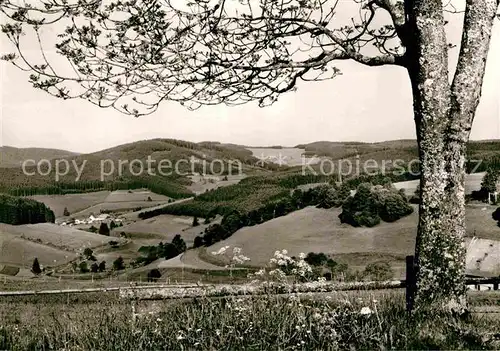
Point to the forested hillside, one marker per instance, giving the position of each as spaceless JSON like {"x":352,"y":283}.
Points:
{"x":17,"y":210}
{"x":133,"y":173}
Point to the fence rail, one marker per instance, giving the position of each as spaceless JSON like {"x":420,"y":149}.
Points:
{"x":180,"y":291}
{"x":170,"y":291}
{"x":90,"y":290}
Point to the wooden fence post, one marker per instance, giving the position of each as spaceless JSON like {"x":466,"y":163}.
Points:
{"x":411,"y":282}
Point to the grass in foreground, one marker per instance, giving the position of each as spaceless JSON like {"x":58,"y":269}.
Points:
{"x":335,"y":322}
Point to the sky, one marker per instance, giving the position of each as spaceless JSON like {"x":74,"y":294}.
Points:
{"x":363,"y":104}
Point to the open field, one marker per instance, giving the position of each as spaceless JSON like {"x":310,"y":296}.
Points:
{"x":150,"y":232}
{"x":118,"y":200}
{"x":134,"y":196}
{"x":124,"y":206}
{"x":192,"y":257}
{"x":18,"y":252}
{"x":165,"y":227}
{"x":62,"y":237}
{"x":134,"y":215}
{"x":201,"y":184}
{"x":50,"y":243}
{"x":8,"y":270}
{"x":483,"y":256}
{"x":319,"y":230}
{"x":159,"y":227}
{"x":283,"y":156}
{"x":73,"y":202}
{"x":84,"y":204}
{"x":472,"y":183}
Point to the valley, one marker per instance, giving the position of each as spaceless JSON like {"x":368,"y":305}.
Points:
{"x":147,"y":213}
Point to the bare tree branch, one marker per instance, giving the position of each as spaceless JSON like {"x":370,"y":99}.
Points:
{"x":132,"y":55}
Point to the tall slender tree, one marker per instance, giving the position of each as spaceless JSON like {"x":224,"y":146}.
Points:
{"x":35,"y":267}
{"x":132,"y":55}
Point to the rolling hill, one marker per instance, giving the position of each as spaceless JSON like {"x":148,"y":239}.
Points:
{"x":483,"y":153}
{"x":319,"y":230}
{"x":14,"y":157}
{"x":50,"y":243}
{"x":131,"y":166}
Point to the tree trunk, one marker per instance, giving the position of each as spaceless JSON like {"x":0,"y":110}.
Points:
{"x":443,"y":117}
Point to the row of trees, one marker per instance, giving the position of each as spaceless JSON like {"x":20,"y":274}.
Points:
{"x":325,"y":266}
{"x":16,"y":210}
{"x":90,"y":264}
{"x":173,"y":187}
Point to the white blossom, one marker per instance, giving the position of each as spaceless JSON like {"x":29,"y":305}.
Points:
{"x":366,"y":311}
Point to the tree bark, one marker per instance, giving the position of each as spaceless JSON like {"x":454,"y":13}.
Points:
{"x":443,"y":116}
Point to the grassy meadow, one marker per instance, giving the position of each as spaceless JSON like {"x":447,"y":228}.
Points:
{"x":338,"y":321}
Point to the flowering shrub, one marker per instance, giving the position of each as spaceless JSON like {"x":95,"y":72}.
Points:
{"x":281,"y":266}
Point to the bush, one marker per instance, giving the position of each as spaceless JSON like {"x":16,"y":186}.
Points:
{"x":167,"y":251}
{"x":327,"y":196}
{"x":66,"y":212}
{"x":394,"y":207}
{"x":154,"y":275}
{"x":179,"y":244}
{"x":198,"y":241}
{"x":88,"y":253}
{"x":379,"y":271}
{"x":83,"y":267}
{"x":496,"y":214}
{"x":232,"y":222}
{"x":371,"y":204}
{"x":415,"y":199}
{"x":102,"y":266}
{"x":316,"y":259}
{"x":479,"y":195}
{"x":103,"y":229}
{"x":118,"y":264}
{"x":214,"y":233}
{"x":94,"y":268}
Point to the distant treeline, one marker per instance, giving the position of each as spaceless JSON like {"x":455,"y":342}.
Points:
{"x":16,"y":210}
{"x":163,"y":186}
{"x":477,"y":164}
